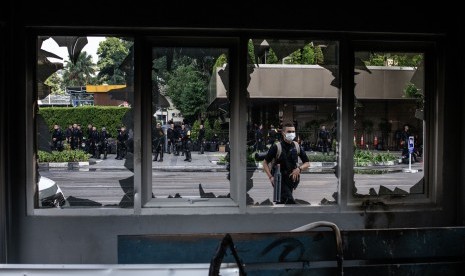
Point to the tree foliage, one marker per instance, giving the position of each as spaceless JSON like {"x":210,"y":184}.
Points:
{"x":55,"y":84}
{"x":187,"y":88}
{"x":80,"y":73}
{"x":112,"y":52}
{"x":391,"y":59}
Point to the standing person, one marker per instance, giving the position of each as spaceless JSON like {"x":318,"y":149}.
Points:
{"x":324,"y":139}
{"x":201,"y":139}
{"x":158,"y":142}
{"x":170,"y":137}
{"x":182,"y":138}
{"x":259,"y":138}
{"x":286,"y":153}
{"x":187,"y":142}
{"x":57,"y":138}
{"x":69,"y":134}
{"x":404,"y":135}
{"x":176,"y":139}
{"x":88,"y":138}
{"x":104,"y":135}
{"x":121,"y":146}
{"x":94,"y":140}
{"x":75,"y":137}
{"x":272,"y":134}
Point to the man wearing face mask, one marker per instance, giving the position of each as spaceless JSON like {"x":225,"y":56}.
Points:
{"x":287,"y":158}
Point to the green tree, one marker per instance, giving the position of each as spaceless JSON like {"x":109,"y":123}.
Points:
{"x":187,"y":88}
{"x":387,"y":59}
{"x":305,"y":55}
{"x":319,"y":57}
{"x":195,"y":130}
{"x":79,"y":73}
{"x":111,"y":53}
{"x":308,"y":54}
{"x":251,"y":51}
{"x":55,"y":83}
{"x":271,"y":57}
{"x":208,"y":130}
{"x":411,"y":91}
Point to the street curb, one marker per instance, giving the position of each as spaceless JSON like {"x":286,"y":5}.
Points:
{"x":68,"y":165}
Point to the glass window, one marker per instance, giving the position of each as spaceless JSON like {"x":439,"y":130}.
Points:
{"x":83,"y":121}
{"x":389,"y":124}
{"x":292,"y":82}
{"x":190,"y":124}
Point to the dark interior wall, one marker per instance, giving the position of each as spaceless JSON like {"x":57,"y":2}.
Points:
{"x":93,"y":239}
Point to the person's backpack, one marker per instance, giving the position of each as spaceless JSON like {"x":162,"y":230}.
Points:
{"x":272,"y":164}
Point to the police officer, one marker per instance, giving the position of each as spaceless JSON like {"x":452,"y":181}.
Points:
{"x":104,"y":135}
{"x":176,"y":139}
{"x":170,"y":136}
{"x":158,"y":141}
{"x":121,"y":146}
{"x":183,"y":138}
{"x":94,"y":140}
{"x":201,"y":139}
{"x":57,"y":138}
{"x":404,"y":139}
{"x":324,"y":139}
{"x":188,"y":146}
{"x":69,"y":134}
{"x":272,"y":133}
{"x":76,"y":137}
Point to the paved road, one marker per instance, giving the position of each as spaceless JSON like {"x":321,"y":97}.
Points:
{"x":112,"y":186}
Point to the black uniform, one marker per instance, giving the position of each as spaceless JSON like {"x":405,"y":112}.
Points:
{"x":57,"y":139}
{"x":288,"y":161}
{"x":324,"y":139}
{"x":182,"y":137}
{"x":176,"y":140}
{"x":201,"y":140}
{"x":170,"y":136}
{"x":93,"y":142}
{"x":187,"y":145}
{"x":272,"y":133}
{"x":76,"y":139}
{"x":158,"y":143}
{"x":104,"y":135}
{"x":121,"y":144}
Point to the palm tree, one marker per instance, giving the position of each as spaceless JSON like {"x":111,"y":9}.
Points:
{"x":80,"y":73}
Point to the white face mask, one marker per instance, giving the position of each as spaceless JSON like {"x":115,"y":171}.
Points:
{"x":290,"y":136}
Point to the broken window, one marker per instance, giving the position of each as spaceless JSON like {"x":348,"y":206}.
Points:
{"x":293,"y":81}
{"x":83,"y":122}
{"x":389,"y":124}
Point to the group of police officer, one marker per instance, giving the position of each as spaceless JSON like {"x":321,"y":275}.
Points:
{"x":94,"y":143}
{"x":179,"y":141}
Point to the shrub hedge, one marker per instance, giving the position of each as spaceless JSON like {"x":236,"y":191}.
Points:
{"x":63,"y":156}
{"x":110,"y":117}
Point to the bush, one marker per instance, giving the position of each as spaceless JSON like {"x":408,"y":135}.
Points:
{"x":63,"y":156}
{"x":321,"y":158}
{"x":366,"y":157}
{"x":110,"y":117}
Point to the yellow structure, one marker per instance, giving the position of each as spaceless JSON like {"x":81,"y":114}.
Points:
{"x":103,"y":88}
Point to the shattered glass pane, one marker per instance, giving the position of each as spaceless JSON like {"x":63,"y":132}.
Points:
{"x":85,"y":88}
{"x":293,"y":82}
{"x":190,"y":123}
{"x":389,"y":124}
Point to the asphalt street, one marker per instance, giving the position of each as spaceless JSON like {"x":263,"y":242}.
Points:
{"x":110,"y":182}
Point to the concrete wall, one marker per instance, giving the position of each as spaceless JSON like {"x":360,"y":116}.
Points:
{"x":313,"y":82}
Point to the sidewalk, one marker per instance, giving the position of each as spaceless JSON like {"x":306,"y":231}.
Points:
{"x":208,"y":162}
